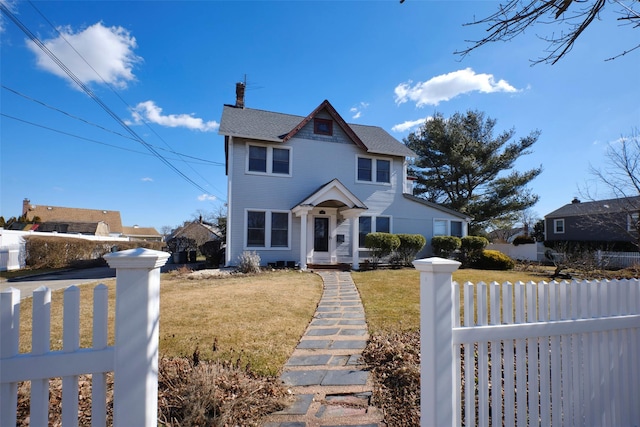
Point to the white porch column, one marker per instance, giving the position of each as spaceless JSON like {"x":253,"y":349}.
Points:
{"x":303,"y":239}
{"x":303,"y":212}
{"x":353,"y":215}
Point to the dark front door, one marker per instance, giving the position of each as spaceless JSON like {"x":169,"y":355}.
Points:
{"x":321,"y":235}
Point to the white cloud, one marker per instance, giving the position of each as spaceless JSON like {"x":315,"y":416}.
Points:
{"x":147,"y":179}
{"x":149,"y":111}
{"x":93,"y":54}
{"x":207,"y":198}
{"x":447,"y":86}
{"x":357,"y":110}
{"x":410,"y":124}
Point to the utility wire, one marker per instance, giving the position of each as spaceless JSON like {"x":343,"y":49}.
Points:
{"x":114,"y":91}
{"x":198,"y":161}
{"x":93,"y":96}
{"x":202,"y":161}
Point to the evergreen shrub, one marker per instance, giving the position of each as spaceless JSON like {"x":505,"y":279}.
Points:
{"x":410,"y":245}
{"x":493,"y":260}
{"x":381,"y":245}
{"x":445,"y":246}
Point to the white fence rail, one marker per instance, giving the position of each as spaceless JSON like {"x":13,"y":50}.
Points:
{"x":133,"y":359}
{"x":547,"y":354}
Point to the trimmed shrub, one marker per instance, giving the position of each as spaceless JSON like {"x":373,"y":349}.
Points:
{"x":445,"y":246}
{"x":380,"y":245}
{"x":523,"y":240}
{"x":471,"y":248}
{"x":410,"y":245}
{"x":493,"y":260}
{"x":249,"y":262}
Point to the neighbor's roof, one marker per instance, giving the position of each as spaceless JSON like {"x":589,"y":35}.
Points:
{"x":597,"y":207}
{"x":279,"y":127}
{"x":140,"y":231}
{"x":48,"y":213}
{"x":438,"y":207}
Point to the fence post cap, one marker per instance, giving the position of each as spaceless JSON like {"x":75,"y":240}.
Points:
{"x":137,"y":258}
{"x":436,"y":264}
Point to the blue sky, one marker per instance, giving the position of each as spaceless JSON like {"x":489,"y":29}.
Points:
{"x":165,"y":69}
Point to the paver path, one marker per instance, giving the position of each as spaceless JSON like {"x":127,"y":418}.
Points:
{"x":325,"y":372}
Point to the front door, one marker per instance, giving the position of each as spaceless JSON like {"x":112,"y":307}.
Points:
{"x":321,"y":235}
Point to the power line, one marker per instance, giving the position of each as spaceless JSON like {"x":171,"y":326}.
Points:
{"x":199,"y":161}
{"x":202,"y":161}
{"x":113,"y":90}
{"x":95,"y":98}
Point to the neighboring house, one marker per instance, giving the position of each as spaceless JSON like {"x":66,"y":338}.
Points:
{"x":309,"y":188}
{"x":607,"y":221}
{"x":147,"y":234}
{"x":69,"y":219}
{"x":199,"y":231}
{"x":85,"y":228}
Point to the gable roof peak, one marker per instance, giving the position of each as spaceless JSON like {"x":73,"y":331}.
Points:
{"x":326,"y":105}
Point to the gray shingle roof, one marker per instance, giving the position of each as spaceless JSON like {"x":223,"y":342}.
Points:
{"x":596,"y":207}
{"x":271,"y":126}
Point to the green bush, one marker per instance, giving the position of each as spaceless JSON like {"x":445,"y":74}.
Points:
{"x":523,"y":240}
{"x":444,"y":246}
{"x":410,"y":245}
{"x":493,"y":260}
{"x":471,"y":248}
{"x":380,"y":245}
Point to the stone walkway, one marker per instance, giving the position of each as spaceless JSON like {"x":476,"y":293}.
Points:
{"x":325,"y":371}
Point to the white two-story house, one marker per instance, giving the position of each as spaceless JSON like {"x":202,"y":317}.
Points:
{"x":308,"y":189}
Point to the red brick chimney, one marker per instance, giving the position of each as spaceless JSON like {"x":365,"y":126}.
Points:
{"x":240,"y":95}
{"x":26,"y":205}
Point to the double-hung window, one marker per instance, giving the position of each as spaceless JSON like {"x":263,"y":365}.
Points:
{"x":267,"y":229}
{"x":558,"y":226}
{"x":263,"y":159}
{"x":371,"y":169}
{"x":446,"y":227}
{"x":369,"y":224}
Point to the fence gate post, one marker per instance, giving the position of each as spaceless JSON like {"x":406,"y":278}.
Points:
{"x":135,"y":376}
{"x":437,"y":398}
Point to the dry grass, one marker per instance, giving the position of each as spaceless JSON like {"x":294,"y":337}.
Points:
{"x":391,"y":298}
{"x":256,"y":320}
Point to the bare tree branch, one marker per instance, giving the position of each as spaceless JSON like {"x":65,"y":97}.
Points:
{"x":514,"y":17}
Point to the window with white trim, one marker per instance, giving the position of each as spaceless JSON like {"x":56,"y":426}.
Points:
{"x":267,"y":229}
{"x":558,"y":226}
{"x":447,"y":227}
{"x":266,"y":159}
{"x":372,"y":224}
{"x":371,"y":169}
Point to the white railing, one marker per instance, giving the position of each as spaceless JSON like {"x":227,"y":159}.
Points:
{"x":548,"y":354}
{"x":133,"y":359}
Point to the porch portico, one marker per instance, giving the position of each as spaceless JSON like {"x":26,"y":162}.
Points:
{"x":320,"y":215}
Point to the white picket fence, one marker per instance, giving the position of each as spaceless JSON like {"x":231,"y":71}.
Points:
{"x":133,"y":359}
{"x":545,"y":354}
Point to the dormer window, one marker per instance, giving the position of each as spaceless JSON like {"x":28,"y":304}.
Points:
{"x":322,"y":127}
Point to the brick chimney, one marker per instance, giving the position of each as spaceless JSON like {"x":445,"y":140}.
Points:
{"x":26,"y":205}
{"x":240,"y":95}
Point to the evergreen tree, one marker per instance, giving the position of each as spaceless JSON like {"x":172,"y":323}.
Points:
{"x":463,"y":166}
